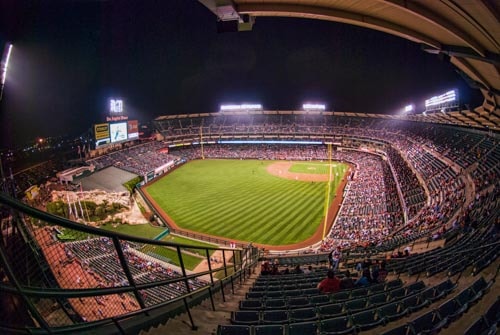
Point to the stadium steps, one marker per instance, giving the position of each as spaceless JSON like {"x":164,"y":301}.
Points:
{"x":205,"y":319}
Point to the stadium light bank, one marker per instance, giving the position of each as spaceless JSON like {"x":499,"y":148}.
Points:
{"x":313,"y":107}
{"x":240,"y":108}
{"x":4,"y":66}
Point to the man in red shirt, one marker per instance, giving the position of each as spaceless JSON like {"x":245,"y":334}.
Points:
{"x":330,"y":284}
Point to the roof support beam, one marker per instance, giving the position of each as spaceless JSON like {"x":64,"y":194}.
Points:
{"x":413,"y":8}
{"x":464,"y":52}
{"x":336,"y":15}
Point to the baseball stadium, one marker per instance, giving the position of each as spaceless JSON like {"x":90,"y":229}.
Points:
{"x":229,"y":222}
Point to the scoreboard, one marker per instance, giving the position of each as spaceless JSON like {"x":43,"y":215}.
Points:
{"x":115,"y":132}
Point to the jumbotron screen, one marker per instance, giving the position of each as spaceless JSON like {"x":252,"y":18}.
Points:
{"x":118,"y":132}
{"x":114,"y":132}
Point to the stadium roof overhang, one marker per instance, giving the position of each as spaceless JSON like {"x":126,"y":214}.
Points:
{"x":467,"y":33}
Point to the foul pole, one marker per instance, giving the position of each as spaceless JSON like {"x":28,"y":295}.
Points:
{"x":327,"y":189}
{"x":201,"y":140}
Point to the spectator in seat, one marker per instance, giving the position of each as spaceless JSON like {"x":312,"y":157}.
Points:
{"x":347,"y":282}
{"x":330,"y":284}
{"x":382,"y":273}
{"x":365,"y":279}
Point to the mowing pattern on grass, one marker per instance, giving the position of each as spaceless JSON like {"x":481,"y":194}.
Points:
{"x":316,"y":167}
{"x":140,"y":230}
{"x":239,"y":199}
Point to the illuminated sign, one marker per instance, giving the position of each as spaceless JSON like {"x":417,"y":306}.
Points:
{"x":133,"y":129}
{"x":267,"y":142}
{"x":115,"y":106}
{"x":242,"y":107}
{"x":115,"y":118}
{"x":443,"y":100}
{"x":313,"y":107}
{"x":118,"y":131}
{"x":101,"y":131}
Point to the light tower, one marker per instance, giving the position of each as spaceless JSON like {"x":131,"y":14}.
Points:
{"x":4,"y":66}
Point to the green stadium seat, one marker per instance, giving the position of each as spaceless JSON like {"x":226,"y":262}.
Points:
{"x":269,"y":330}
{"x":302,"y":328}
{"x":357,"y":305}
{"x":251,"y":304}
{"x":378,"y":299}
{"x":275,"y":316}
{"x":245,"y":317}
{"x":392,"y":311}
{"x":302,"y":315}
{"x":331,"y":310}
{"x":367,"y":319}
{"x":233,"y":330}
{"x":429,"y":323}
{"x":336,"y":326}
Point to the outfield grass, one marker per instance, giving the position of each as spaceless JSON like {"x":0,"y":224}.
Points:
{"x":239,"y":199}
{"x":188,"y":241}
{"x":190,"y":261}
{"x":140,"y":230}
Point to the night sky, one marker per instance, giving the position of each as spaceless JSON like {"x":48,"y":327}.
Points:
{"x":166,"y":57}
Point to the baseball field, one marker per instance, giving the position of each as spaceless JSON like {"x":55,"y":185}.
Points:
{"x":267,"y":202}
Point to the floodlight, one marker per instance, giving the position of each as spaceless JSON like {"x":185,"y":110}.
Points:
{"x":409,"y":108}
{"x":242,"y":107}
{"x":313,"y":107}
{"x":441,"y":99}
{"x":3,"y":67}
{"x":5,"y":62}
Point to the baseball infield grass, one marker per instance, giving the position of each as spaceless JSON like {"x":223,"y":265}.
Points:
{"x":239,"y":199}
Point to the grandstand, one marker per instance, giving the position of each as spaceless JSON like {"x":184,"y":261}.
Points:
{"x":405,"y":191}
{"x":422,"y":205}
